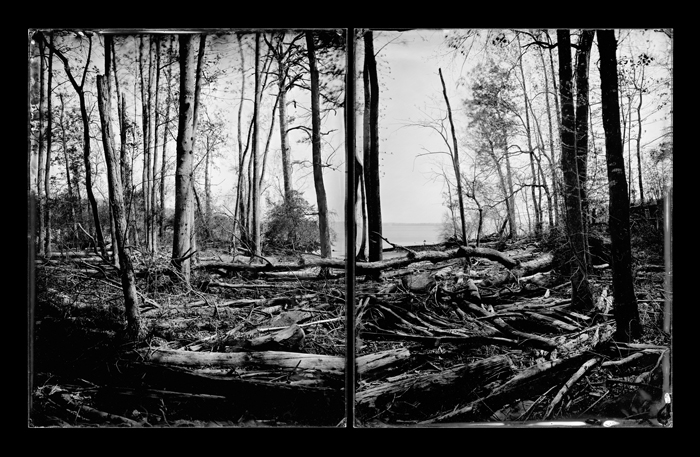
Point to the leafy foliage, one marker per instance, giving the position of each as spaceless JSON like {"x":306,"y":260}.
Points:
{"x":292,"y":226}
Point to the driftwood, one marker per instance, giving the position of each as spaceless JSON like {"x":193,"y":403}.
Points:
{"x":521,"y":270}
{"x":375,"y":364}
{"x":260,"y":398}
{"x":446,"y":386}
{"x":365,"y":267}
{"x":529,"y":383}
{"x":266,"y":359}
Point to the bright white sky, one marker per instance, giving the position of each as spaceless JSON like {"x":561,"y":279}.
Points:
{"x":410,"y":92}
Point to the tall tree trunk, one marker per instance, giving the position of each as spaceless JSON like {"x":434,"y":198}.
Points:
{"x":255,"y":187}
{"x":639,"y":139}
{"x":47,"y":175}
{"x":116,"y":199}
{"x":145,"y":124}
{"x":163,"y":161}
{"x":540,"y":168}
{"x":154,"y":206}
{"x":71,"y":196}
{"x":207,"y":192}
{"x":183,"y":173}
{"x":321,"y":200}
{"x":580,"y":290}
{"x":42,"y":150}
{"x":366,"y":143}
{"x":583,"y":54}
{"x":195,"y":122}
{"x":528,"y":134}
{"x":360,"y":255}
{"x":455,"y":162}
{"x":374,"y":207}
{"x":553,"y":169}
{"x":511,"y":196}
{"x":625,"y":308}
{"x":239,"y":211}
{"x":34,"y":165}
{"x":282,"y":87}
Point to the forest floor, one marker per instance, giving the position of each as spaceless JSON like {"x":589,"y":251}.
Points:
{"x":246,"y":349}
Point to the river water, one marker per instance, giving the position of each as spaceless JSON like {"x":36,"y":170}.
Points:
{"x":398,"y":233}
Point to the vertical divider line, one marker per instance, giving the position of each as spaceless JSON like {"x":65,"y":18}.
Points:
{"x":350,"y":381}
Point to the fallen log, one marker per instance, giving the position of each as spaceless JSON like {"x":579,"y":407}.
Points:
{"x":434,"y":391}
{"x":529,"y":383}
{"x":375,"y":364}
{"x":315,"y":405}
{"x":521,"y":270}
{"x":266,"y":359}
{"x":365,"y":267}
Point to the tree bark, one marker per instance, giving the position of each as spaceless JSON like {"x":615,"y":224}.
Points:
{"x":195,"y":123}
{"x":145,"y":81}
{"x":284,"y":148}
{"x":154,"y":206}
{"x":49,"y":138}
{"x":374,"y":207}
{"x":626,"y":311}
{"x":455,"y":161}
{"x":168,"y":101}
{"x":183,"y":174}
{"x":255,"y":180}
{"x":41,"y":170}
{"x":321,"y":201}
{"x":116,"y":200}
{"x":580,"y":290}
{"x":583,"y":54}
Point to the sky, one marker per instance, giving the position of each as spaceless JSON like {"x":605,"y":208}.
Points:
{"x":410,"y":93}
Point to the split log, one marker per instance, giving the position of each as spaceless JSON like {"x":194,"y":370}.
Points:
{"x":529,"y":383}
{"x":435,"y":390}
{"x":266,"y":359}
{"x":365,"y":267}
{"x":376,"y":364}
{"x":524,"y":269}
{"x":315,"y":405}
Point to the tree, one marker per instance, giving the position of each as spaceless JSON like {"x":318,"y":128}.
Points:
{"x":626,"y":311}
{"x":49,"y":138}
{"x":581,"y":297}
{"x":116,"y":200}
{"x":455,"y":161}
{"x":80,"y":91}
{"x":530,"y":148}
{"x":183,"y":173}
{"x":291,"y":227}
{"x":583,"y":55}
{"x":492,"y":126}
{"x":324,"y":228}
{"x":371,"y":159}
{"x":255,"y":188}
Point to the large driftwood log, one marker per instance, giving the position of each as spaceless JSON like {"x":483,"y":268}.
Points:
{"x":435,"y":389}
{"x":521,"y":270}
{"x":366,"y":267}
{"x":372,"y":365}
{"x":323,"y":405}
{"x":264,"y":359}
{"x":529,"y":383}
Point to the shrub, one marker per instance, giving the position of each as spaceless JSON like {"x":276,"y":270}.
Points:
{"x":291,"y":226}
